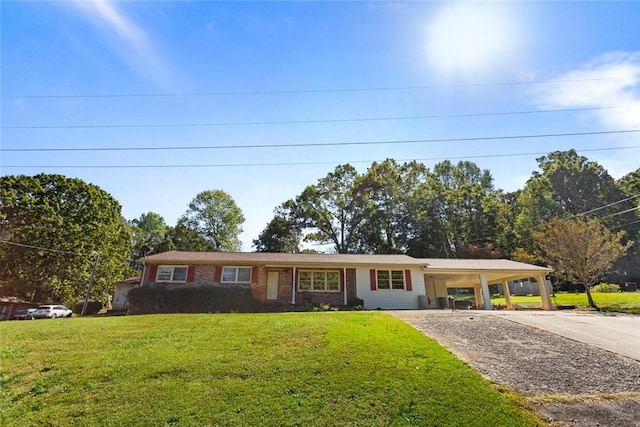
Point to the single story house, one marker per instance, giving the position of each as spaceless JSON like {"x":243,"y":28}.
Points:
{"x":381,"y":281}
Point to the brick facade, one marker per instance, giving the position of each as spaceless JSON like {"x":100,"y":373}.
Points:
{"x":205,"y":274}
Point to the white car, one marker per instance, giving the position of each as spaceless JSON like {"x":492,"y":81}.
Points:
{"x":51,"y":312}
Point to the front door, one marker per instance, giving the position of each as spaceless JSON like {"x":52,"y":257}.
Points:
{"x":273,"y":278}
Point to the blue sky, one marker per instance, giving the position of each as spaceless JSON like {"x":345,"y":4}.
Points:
{"x":280,"y":93}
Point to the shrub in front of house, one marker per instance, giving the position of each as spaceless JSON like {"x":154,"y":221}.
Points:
{"x":197,"y":299}
{"x":355,"y":303}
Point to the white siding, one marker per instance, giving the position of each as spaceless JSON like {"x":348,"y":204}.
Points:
{"x":387,"y":299}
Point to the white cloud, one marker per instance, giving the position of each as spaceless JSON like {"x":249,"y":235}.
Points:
{"x":125,"y":37}
{"x":611,"y":80}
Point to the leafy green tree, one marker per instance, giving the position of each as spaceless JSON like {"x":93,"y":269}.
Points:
{"x":505,"y":238}
{"x":329,"y":211}
{"x":567,"y":185}
{"x":463,"y":208}
{"x":630,"y":184}
{"x":386,"y":196}
{"x":184,"y":238}
{"x":282,"y":234}
{"x":148,"y":235}
{"x":583,"y":249}
{"x":627,"y":269}
{"x":51,"y":228}
{"x":212,"y":222}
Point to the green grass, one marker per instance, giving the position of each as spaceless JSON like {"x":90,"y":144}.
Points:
{"x":306,"y":369}
{"x":623,"y":302}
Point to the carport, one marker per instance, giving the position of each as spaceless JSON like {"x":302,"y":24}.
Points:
{"x":441,"y":274}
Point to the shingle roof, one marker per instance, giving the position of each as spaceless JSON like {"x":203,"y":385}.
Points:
{"x":278,"y":258}
{"x":259,"y":258}
{"x":129,"y":281}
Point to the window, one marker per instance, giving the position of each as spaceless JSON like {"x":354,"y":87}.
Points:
{"x":236,"y":274}
{"x":390,"y":279}
{"x":171,"y":274}
{"x":319,"y":281}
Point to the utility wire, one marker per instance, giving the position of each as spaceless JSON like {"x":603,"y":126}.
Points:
{"x":491,"y":238}
{"x":298,"y":91}
{"x":624,"y":225}
{"x":228,"y":165}
{"x":604,"y":207}
{"x":40,"y":248}
{"x":323,"y":144}
{"x":282,"y":122}
{"x":622,"y":212}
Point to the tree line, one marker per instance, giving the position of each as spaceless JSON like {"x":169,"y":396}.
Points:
{"x":52,"y":225}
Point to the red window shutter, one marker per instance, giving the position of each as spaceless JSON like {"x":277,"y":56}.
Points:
{"x":153,"y":271}
{"x":254,"y":275}
{"x":373,"y":277}
{"x":217,"y":275}
{"x":407,"y":280}
{"x":190,"y":272}
{"x":342,"y":281}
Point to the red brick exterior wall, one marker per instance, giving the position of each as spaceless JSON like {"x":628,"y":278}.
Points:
{"x":204,"y":276}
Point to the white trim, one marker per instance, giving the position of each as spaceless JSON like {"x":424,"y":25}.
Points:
{"x":391,"y":288}
{"x":173,"y":271}
{"x":313,"y":272}
{"x":144,"y":274}
{"x":344,"y":284}
{"x":235,"y":280}
{"x":293,"y":287}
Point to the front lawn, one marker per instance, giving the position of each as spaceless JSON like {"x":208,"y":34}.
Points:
{"x":623,"y":302}
{"x":306,"y":369}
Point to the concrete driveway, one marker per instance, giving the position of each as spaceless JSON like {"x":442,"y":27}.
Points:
{"x":615,"y":332}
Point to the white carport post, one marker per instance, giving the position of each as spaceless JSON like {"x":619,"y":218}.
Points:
{"x":507,"y":294}
{"x":486,"y":296}
{"x":544,"y":292}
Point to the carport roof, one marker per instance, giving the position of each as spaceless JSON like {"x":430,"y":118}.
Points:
{"x":465,"y":272}
{"x":433,"y":264}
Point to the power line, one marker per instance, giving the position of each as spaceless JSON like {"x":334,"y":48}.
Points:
{"x":40,"y":248}
{"x":226,"y":165}
{"x":298,"y":91}
{"x":282,"y":122}
{"x":490,"y":238}
{"x":622,"y":212}
{"x":624,"y":225}
{"x":322,"y":144}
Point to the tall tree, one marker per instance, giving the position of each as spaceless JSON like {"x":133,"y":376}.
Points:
{"x":282,"y":234}
{"x":148,"y":234}
{"x":630,"y":184}
{"x":582,"y":248}
{"x":329,"y":210}
{"x":386,"y":194}
{"x":51,"y":228}
{"x":567,"y":185}
{"x":464,"y":206}
{"x":213,"y":219}
{"x":627,"y":269}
